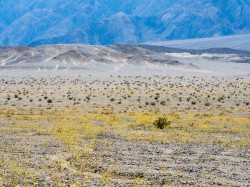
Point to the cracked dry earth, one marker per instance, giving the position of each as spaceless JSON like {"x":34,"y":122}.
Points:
{"x":133,"y":163}
{"x":174,"y":165}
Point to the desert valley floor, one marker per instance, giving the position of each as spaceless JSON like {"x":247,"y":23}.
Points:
{"x":98,"y":131}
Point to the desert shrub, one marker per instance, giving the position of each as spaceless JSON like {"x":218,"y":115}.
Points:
{"x":161,"y":123}
{"x":163,"y":103}
{"x":49,"y":101}
{"x":156,"y":97}
{"x":207,"y":104}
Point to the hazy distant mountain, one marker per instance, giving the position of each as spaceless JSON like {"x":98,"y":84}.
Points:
{"x":241,"y":42}
{"x":25,"y":22}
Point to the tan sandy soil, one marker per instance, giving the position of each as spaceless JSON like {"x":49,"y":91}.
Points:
{"x":97,"y":131}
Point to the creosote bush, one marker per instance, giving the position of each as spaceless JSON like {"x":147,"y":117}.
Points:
{"x":161,"y":123}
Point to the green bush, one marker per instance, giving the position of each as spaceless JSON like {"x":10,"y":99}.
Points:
{"x":207,"y":104}
{"x":49,"y":101}
{"x":161,"y":123}
{"x":163,"y":103}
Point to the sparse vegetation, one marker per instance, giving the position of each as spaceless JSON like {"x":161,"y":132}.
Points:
{"x":127,"y":131}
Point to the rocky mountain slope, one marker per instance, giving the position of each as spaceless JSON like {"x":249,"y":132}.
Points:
{"x":24,"y":22}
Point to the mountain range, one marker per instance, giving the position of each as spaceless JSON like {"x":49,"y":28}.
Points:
{"x":240,"y":42}
{"x":25,"y":22}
